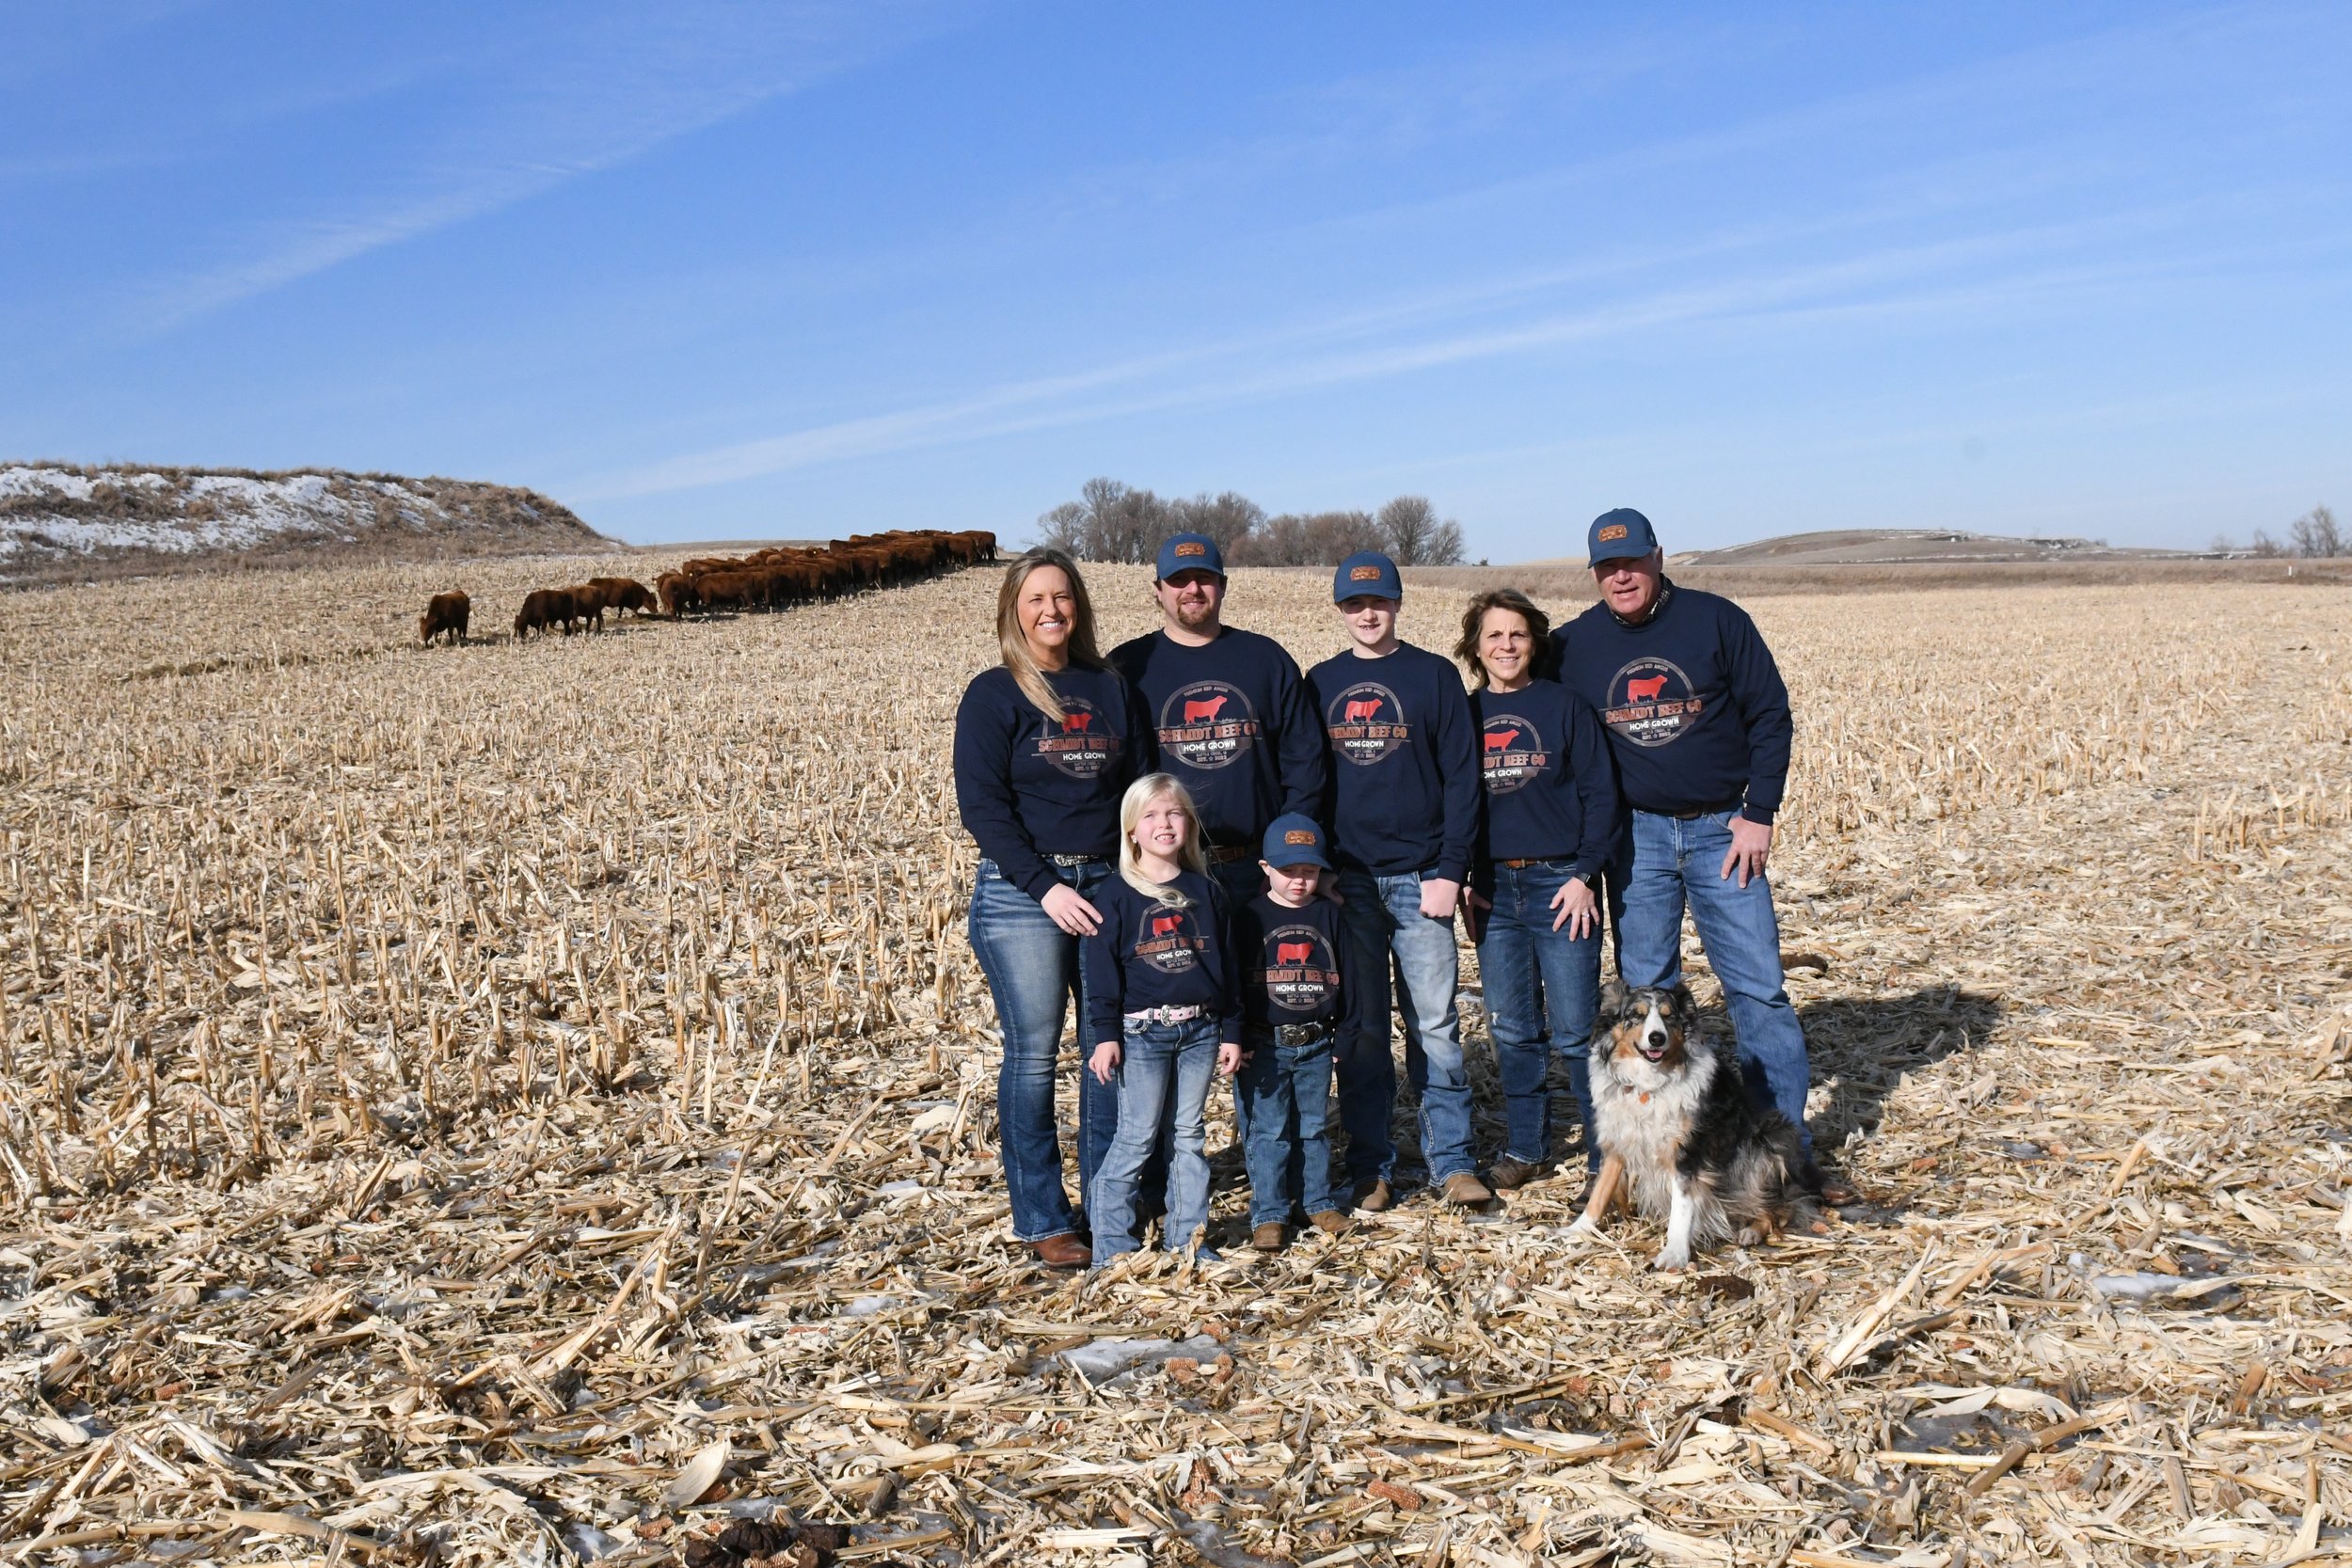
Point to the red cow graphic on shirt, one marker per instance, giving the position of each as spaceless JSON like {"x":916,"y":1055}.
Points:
{"x":1500,"y":741}
{"x":1644,"y":690}
{"x":1360,"y":709}
{"x":1166,"y":925}
{"x":1201,"y":712}
{"x":1294,"y":953}
{"x":1077,"y":723}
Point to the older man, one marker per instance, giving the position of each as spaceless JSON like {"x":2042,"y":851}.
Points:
{"x":1698,"y":721}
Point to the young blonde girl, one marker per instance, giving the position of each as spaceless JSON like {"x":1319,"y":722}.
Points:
{"x":1164,"y":1007}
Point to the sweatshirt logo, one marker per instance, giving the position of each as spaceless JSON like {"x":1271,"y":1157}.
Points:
{"x":1166,"y":939}
{"x":1207,"y":724}
{"x":1300,"y":969}
{"x":1515,"y":755}
{"x":1078,"y":746}
{"x":1651,"y":704}
{"x":1366,"y":724}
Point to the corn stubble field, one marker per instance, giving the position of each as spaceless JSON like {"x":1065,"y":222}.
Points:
{"x":534,"y":1104}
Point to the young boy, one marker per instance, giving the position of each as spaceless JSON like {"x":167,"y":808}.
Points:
{"x":1405,"y":790}
{"x":1297,"y":983}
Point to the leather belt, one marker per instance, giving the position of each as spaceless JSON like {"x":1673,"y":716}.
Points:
{"x":1705,"y":811}
{"x":1226,"y":854}
{"x":1300,"y":1034}
{"x":1165,"y":1015}
{"x":1540,"y":860}
{"x":1077,"y":859}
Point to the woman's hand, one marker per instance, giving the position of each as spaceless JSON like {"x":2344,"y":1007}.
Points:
{"x":1066,"y":909}
{"x":1579,"y":911}
{"x":1228,"y":1059}
{"x":1104,"y":1061}
{"x":1474,"y":910}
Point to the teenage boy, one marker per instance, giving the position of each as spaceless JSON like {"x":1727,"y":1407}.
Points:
{"x":1299,"y":979}
{"x":1404,"y":813}
{"x":1233,"y":719}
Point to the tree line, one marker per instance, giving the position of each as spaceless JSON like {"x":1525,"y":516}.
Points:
{"x":2315,"y":535}
{"x":1111,"y":521}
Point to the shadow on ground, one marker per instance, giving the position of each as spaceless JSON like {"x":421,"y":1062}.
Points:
{"x":1868,"y":1043}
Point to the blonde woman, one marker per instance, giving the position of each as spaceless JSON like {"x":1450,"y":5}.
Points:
{"x":1164,"y":1004}
{"x":1045,"y":744}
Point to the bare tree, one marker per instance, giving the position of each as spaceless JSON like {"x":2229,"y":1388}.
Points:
{"x":1064,"y":529}
{"x":2264,"y":546}
{"x":2316,"y":533}
{"x":1228,"y":518}
{"x":1112,"y":521}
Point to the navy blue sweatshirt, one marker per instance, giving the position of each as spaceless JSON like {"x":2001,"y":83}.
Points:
{"x":1404,"y":791}
{"x":1027,"y":787}
{"x":1552,"y":791}
{"x":1234,"y":724}
{"x":1697,"y":714}
{"x":1147,"y":954}
{"x":1297,"y":967}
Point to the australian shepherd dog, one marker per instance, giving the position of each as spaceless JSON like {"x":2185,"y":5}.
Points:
{"x":1672,"y":1113}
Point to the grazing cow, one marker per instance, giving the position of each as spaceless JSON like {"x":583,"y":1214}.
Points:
{"x":1294,"y":952}
{"x":1645,"y":691}
{"x":1360,"y":709}
{"x":619,"y":594}
{"x":543,"y":608}
{"x":1166,"y":925}
{"x":587,"y":605}
{"x":1204,"y":711}
{"x":678,"y":594}
{"x":1500,"y":741}
{"x":444,"y":612}
{"x":727,"y":589}
{"x":1076,"y":723}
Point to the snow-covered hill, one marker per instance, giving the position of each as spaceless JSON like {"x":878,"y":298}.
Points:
{"x":57,"y":521}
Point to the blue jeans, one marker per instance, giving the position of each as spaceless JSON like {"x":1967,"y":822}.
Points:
{"x":1531,"y":971}
{"x":1032,"y":969}
{"x":1382,"y":919}
{"x":1164,"y":1074}
{"x":1288,"y":1141}
{"x":1666,"y":862}
{"x":1242,"y":881}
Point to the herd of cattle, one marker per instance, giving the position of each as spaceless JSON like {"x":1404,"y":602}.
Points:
{"x":771,"y":578}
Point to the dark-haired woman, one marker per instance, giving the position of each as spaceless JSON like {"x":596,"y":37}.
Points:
{"x":1046,"y":743}
{"x":1550,"y":818}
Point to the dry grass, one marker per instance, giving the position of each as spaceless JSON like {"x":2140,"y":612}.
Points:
{"x":447,"y":1093}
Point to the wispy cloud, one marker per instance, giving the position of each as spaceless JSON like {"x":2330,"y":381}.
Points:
{"x":1516,"y":315}
{"x":615,"y":93}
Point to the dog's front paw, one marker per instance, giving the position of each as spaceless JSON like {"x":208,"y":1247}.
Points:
{"x":1672,"y":1261}
{"x":1584,"y":1227}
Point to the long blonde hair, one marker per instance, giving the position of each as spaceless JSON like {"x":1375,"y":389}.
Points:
{"x":1015,"y":646}
{"x":1140,"y":794}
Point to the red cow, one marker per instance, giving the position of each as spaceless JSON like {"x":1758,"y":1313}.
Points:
{"x":1294,"y":952}
{"x":1196,"y":712}
{"x":1076,"y":723}
{"x":1361,"y":707}
{"x":1500,"y":741}
{"x":1166,"y":925}
{"x":1645,"y":691}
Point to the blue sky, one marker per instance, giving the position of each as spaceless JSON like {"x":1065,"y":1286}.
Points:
{"x":754,"y":269}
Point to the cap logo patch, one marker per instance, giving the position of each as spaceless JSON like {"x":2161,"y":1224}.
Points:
{"x":1614,"y":531}
{"x":1363,"y":574}
{"x":1299,"y":835}
{"x":1192,"y":549}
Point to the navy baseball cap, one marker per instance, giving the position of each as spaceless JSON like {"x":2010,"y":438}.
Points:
{"x":1190,"y":552}
{"x":1619,"y":534}
{"x":1293,"y":840}
{"x":1366,"y":572}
